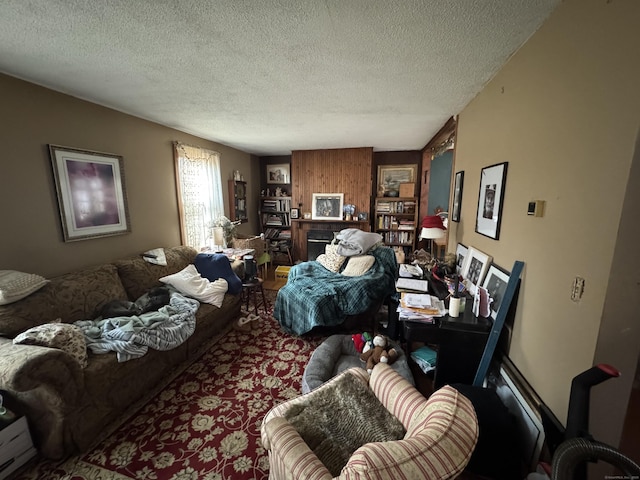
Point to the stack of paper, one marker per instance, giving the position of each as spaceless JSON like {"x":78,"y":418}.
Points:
{"x":404,"y":284}
{"x":420,"y":307}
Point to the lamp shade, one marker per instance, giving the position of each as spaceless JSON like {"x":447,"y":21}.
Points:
{"x":432,"y":227}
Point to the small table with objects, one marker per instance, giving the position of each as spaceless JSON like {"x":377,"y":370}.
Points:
{"x":460,"y":342}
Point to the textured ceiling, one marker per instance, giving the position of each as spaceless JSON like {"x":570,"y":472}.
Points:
{"x":271,"y":76}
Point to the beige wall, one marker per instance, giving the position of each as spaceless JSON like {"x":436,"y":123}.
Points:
{"x":34,"y":117}
{"x":564,"y":113}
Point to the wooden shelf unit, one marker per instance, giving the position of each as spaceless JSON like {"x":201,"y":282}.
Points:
{"x":275,"y":220}
{"x":396,"y":219}
{"x":238,"y":201}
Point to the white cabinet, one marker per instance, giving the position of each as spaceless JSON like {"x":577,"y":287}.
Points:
{"x":16,"y":447}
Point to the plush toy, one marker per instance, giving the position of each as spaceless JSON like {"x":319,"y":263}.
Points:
{"x":362,"y":341}
{"x":379,"y":353}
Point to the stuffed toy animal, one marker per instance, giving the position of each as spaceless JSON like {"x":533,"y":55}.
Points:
{"x":379,"y":353}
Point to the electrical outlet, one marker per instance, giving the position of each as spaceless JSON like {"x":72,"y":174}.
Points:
{"x":577,"y":289}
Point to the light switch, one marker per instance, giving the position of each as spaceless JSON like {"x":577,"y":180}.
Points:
{"x":535,"y":208}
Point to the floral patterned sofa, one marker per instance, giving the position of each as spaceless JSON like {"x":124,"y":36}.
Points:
{"x":70,"y":408}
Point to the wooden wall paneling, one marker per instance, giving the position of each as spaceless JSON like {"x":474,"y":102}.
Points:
{"x":344,"y":170}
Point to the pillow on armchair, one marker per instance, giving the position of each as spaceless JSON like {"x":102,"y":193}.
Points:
{"x":330,"y":259}
{"x":213,"y":266}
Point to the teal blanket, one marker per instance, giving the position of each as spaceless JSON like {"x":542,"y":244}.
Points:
{"x":314,"y":296}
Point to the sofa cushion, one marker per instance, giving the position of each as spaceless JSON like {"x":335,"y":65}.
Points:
{"x":62,"y":336}
{"x":138,"y":276}
{"x":70,"y":297}
{"x":189,"y":282}
{"x":213,"y":266}
{"x":15,"y":285}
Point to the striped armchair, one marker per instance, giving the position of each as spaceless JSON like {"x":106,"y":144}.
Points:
{"x":441,"y":433}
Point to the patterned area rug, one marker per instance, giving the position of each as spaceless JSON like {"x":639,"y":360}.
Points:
{"x":206,"y":424}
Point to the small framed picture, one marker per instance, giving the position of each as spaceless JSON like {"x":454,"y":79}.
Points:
{"x":490,"y":199}
{"x":295,"y":213}
{"x":327,"y":206}
{"x":461,"y":254}
{"x":475,"y":267}
{"x":457,"y":196}
{"x":279,"y":174}
{"x":496,"y":284}
{"x":363,"y":216}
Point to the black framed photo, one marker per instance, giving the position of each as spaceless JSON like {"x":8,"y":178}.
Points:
{"x":457,"y":196}
{"x":490,"y":200}
{"x":295,"y":213}
{"x":496,"y":284}
{"x":461,"y":254}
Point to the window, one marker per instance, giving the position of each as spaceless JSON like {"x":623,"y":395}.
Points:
{"x":199,"y":192}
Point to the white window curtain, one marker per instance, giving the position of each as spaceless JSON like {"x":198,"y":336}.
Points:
{"x":199,"y":192}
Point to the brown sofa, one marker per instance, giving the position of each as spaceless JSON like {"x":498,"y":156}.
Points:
{"x":70,"y":408}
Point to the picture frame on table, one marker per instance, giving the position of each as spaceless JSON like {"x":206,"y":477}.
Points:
{"x":490,"y":200}
{"x":457,"y":196}
{"x":496,"y":282}
{"x":91,"y":192}
{"x":280,"y":174}
{"x":391,"y":176}
{"x":475,"y":267}
{"x":327,"y":206}
{"x":461,"y":254}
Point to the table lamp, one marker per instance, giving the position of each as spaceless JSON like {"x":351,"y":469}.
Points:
{"x":432,"y":228}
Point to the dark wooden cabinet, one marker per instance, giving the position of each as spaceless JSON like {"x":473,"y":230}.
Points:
{"x":238,"y":201}
{"x":460,"y":343}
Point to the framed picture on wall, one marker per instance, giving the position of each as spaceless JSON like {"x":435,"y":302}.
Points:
{"x":457,"y":196}
{"x":295,"y":213}
{"x":91,"y":193}
{"x":391,"y":176}
{"x":279,"y":173}
{"x":490,"y":200}
{"x":327,"y":206}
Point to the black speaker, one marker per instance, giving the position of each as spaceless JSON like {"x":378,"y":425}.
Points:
{"x":250,"y":268}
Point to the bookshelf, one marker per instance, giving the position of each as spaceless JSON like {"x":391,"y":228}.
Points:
{"x":396,"y":219}
{"x":275,"y":219}
{"x":238,"y":201}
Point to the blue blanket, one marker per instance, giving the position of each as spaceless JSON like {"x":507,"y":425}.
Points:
{"x":314,"y":296}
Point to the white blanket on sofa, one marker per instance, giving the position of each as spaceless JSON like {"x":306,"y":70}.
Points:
{"x":131,"y":337}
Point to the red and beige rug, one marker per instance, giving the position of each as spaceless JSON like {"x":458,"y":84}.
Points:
{"x":205,"y":425}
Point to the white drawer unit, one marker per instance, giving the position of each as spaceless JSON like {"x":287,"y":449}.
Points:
{"x":16,"y":447}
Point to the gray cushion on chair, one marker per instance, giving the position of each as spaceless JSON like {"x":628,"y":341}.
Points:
{"x":336,"y":354}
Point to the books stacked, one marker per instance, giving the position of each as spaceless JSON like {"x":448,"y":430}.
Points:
{"x":425,"y":358}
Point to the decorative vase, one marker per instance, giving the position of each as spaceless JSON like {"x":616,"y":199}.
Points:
{"x":347,"y":217}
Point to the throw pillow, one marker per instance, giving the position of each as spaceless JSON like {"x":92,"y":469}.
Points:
{"x":330,"y":258}
{"x":358,"y":265}
{"x":63,"y":336}
{"x":189,"y":282}
{"x":363,"y":419}
{"x":15,"y":286}
{"x":155,"y":256}
{"x":213,"y":266}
